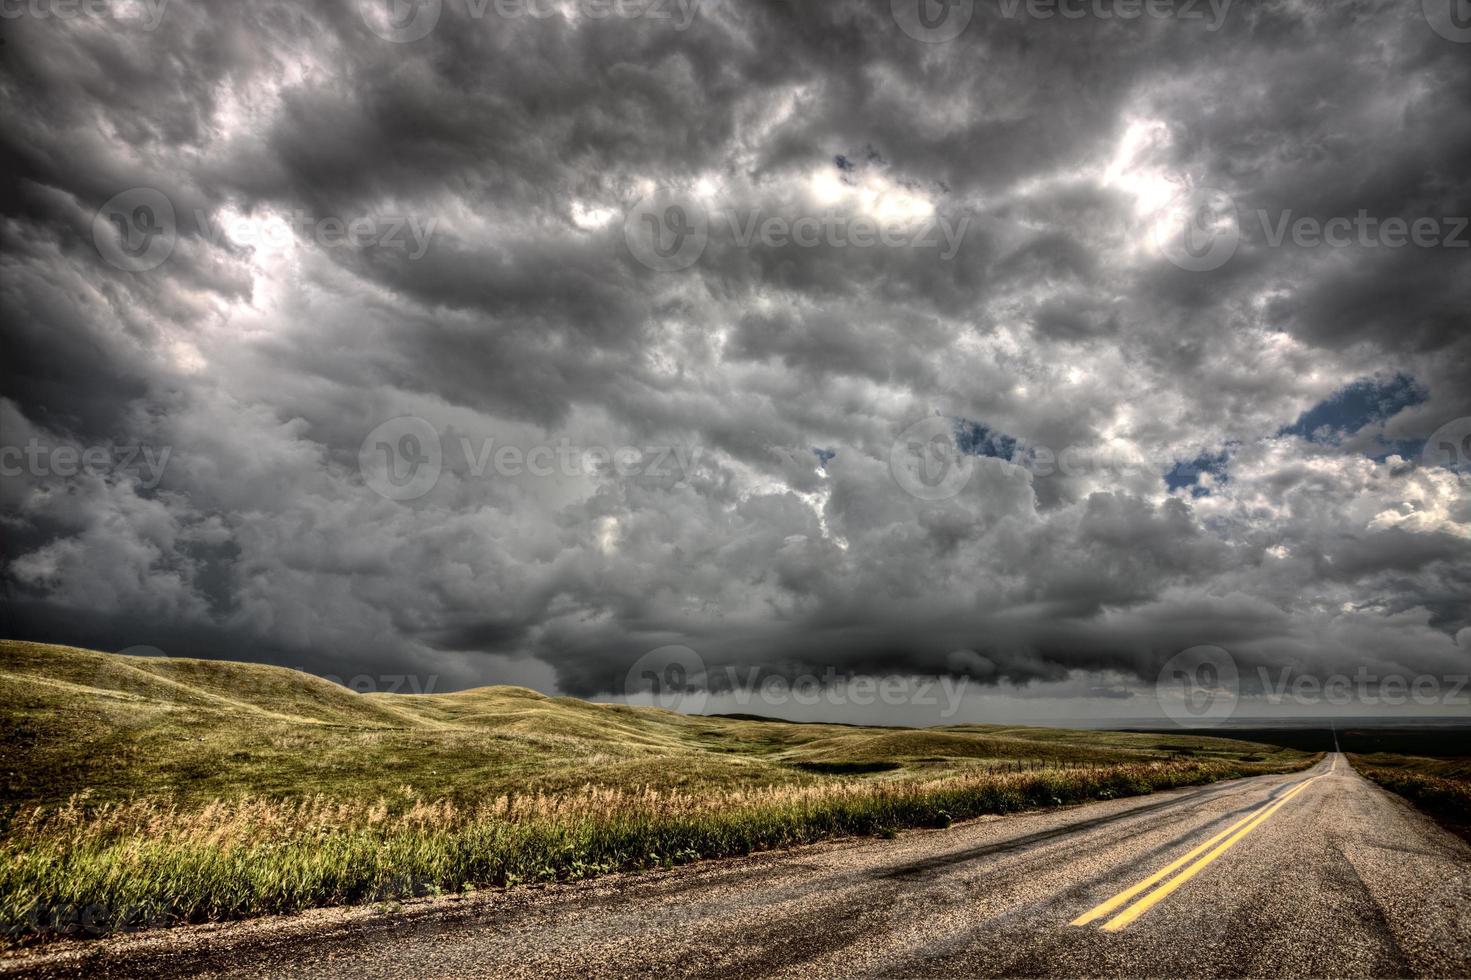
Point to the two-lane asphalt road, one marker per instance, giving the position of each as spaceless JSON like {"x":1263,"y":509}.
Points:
{"x":1312,"y":874}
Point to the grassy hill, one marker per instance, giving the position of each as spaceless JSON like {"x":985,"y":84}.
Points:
{"x":160,"y":791}
{"x":122,"y":727}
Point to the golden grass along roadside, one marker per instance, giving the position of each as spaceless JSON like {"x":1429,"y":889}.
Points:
{"x":76,"y":869}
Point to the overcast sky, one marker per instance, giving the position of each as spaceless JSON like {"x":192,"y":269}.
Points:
{"x":484,"y":343}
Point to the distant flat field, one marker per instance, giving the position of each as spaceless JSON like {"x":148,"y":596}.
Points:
{"x":74,"y":720}
{"x":1443,"y":738}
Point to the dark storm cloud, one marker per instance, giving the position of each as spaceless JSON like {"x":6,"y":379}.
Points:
{"x":522,"y":318}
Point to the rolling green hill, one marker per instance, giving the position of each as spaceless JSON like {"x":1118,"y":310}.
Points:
{"x":122,"y":727}
{"x":151,"y":792}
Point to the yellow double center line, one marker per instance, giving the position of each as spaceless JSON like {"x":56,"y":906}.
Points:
{"x":1201,"y":856}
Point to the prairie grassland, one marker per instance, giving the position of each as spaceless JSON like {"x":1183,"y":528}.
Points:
{"x":1441,"y":787}
{"x":191,"y":731}
{"x":163,"y":791}
{"x":79,"y":870}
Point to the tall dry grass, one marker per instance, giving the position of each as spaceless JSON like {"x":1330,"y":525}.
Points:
{"x":1449,"y":799}
{"x":88,"y":869}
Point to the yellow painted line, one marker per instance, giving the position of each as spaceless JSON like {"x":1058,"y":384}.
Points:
{"x":1160,"y":894}
{"x":1098,"y":911}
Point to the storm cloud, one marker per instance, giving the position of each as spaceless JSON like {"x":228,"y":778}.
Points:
{"x":512,"y":341}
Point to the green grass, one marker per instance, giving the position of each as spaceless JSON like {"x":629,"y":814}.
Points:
{"x":1440,"y":786}
{"x":165,"y":791}
{"x":194,"y":730}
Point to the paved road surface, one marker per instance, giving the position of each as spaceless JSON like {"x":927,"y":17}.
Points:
{"x":1311,"y":874}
